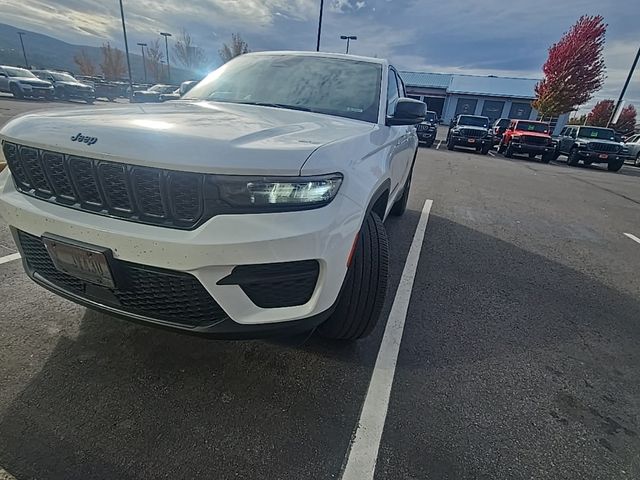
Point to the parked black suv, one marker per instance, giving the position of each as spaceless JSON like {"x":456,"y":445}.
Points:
{"x":471,"y":131}
{"x":66,"y":86}
{"x":591,"y":145}
{"x":428,"y":129}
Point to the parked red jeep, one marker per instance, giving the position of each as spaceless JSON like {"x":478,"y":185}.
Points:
{"x":527,"y":137}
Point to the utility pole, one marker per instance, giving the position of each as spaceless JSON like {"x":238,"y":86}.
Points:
{"x":319,"y":25}
{"x":166,"y":48}
{"x":624,"y":88}
{"x":126,"y":47}
{"x":348,"y":38}
{"x":144,"y":64}
{"x":24,"y":52}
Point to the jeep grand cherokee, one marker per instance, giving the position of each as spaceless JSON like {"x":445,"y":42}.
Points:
{"x":253,"y":205}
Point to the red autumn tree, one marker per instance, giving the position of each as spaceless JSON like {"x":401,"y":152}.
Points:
{"x":600,"y":114}
{"x":626,"y":123}
{"x":574,"y":69}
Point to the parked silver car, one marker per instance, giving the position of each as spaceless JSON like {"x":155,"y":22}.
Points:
{"x":22,"y":83}
{"x":633,"y":145}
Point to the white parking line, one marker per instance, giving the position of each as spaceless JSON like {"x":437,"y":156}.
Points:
{"x":492,"y":153}
{"x":633,"y":237}
{"x":363,"y":453}
{"x":439,"y":143}
{"x":9,"y":258}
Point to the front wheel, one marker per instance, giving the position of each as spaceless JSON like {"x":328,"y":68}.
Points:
{"x":637,"y":162}
{"x":547,"y":157}
{"x":615,"y":166}
{"x":573,"y":159}
{"x":17,"y":93}
{"x":508,"y":152}
{"x":365,"y":285}
{"x":450,"y":145}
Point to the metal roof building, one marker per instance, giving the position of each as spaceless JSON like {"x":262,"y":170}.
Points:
{"x":492,"y":96}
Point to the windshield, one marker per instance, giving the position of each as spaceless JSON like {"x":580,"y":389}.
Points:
{"x":533,"y":127}
{"x":430,"y":117}
{"x":344,"y":88}
{"x":503,"y":122}
{"x":162,"y":88}
{"x":62,"y":77}
{"x":473,"y":121}
{"x":599,"y":133}
{"x":19,"y":72}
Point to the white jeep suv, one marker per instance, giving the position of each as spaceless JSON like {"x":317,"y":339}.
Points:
{"x":251,"y":206}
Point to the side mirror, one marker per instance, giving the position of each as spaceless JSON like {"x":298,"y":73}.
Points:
{"x":408,"y":112}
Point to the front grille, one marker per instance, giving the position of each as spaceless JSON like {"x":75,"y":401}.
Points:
{"x":472,"y":133}
{"x":605,"y":147}
{"x":276,"y":285}
{"x":150,"y":292}
{"x":141,"y":194}
{"x":422,"y":127}
{"x":533,"y":140}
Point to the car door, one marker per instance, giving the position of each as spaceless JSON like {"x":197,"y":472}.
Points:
{"x":566,"y":141}
{"x":399,"y":137}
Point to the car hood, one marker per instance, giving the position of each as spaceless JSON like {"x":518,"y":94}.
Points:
{"x":471,"y":127}
{"x":191,"y":136}
{"x":598,"y":140}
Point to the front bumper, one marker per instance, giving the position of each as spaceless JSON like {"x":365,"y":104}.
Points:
{"x":600,"y":157}
{"x":210,"y":253}
{"x":535,"y":149}
{"x":472,"y":142}
{"x":80,"y":95}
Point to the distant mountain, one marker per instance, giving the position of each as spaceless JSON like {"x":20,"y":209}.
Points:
{"x":44,"y":51}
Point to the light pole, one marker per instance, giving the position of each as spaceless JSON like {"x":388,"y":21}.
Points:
{"x":24,"y":52}
{"x":126,"y":46}
{"x":144,"y":64}
{"x":166,"y":48}
{"x":319,"y":25}
{"x":624,"y":88}
{"x":348,"y":38}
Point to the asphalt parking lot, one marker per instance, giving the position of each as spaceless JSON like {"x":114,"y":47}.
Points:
{"x":519,"y":357}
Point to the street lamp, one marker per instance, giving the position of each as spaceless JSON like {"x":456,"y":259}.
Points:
{"x":126,"y":46}
{"x":24,"y":53}
{"x":144,"y":64}
{"x":319,"y":25}
{"x":348,"y":38}
{"x":166,"y":47}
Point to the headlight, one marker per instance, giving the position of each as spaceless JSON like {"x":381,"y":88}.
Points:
{"x":277,"y":193}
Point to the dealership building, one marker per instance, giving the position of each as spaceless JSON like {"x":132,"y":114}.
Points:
{"x":495,"y":97}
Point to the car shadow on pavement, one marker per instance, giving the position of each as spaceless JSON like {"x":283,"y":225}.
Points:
{"x":513,"y":365}
{"x":124,"y":401}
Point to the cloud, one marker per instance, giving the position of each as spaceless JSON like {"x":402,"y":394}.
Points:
{"x":488,"y":37}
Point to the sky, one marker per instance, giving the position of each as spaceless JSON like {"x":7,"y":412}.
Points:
{"x":499,"y":37}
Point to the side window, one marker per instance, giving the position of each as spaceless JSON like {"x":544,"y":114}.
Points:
{"x":573,"y":133}
{"x":392,"y":93}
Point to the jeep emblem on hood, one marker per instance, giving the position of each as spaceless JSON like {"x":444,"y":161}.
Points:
{"x":84,"y":139}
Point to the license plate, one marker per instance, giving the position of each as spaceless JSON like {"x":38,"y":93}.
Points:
{"x":86,"y":263}
{"x":471,"y":140}
{"x":603,"y":155}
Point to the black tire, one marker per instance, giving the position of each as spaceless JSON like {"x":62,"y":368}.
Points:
{"x":17,"y":93}
{"x":547,"y":157}
{"x":400,"y":205}
{"x":60,"y":94}
{"x":365,"y":285}
{"x":450,"y":145}
{"x":556,"y":155}
{"x":572,"y":158}
{"x":484,"y":150}
{"x":508,"y":151}
{"x":532,"y":156}
{"x":637,"y":162}
{"x":615,"y":166}
{"x":89,"y":101}
{"x":500,"y":147}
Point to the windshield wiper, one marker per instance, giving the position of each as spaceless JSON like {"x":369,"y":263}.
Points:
{"x":277,"y":105}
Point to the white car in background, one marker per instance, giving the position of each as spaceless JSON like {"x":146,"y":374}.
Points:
{"x":251,"y":206}
{"x":22,"y":83}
